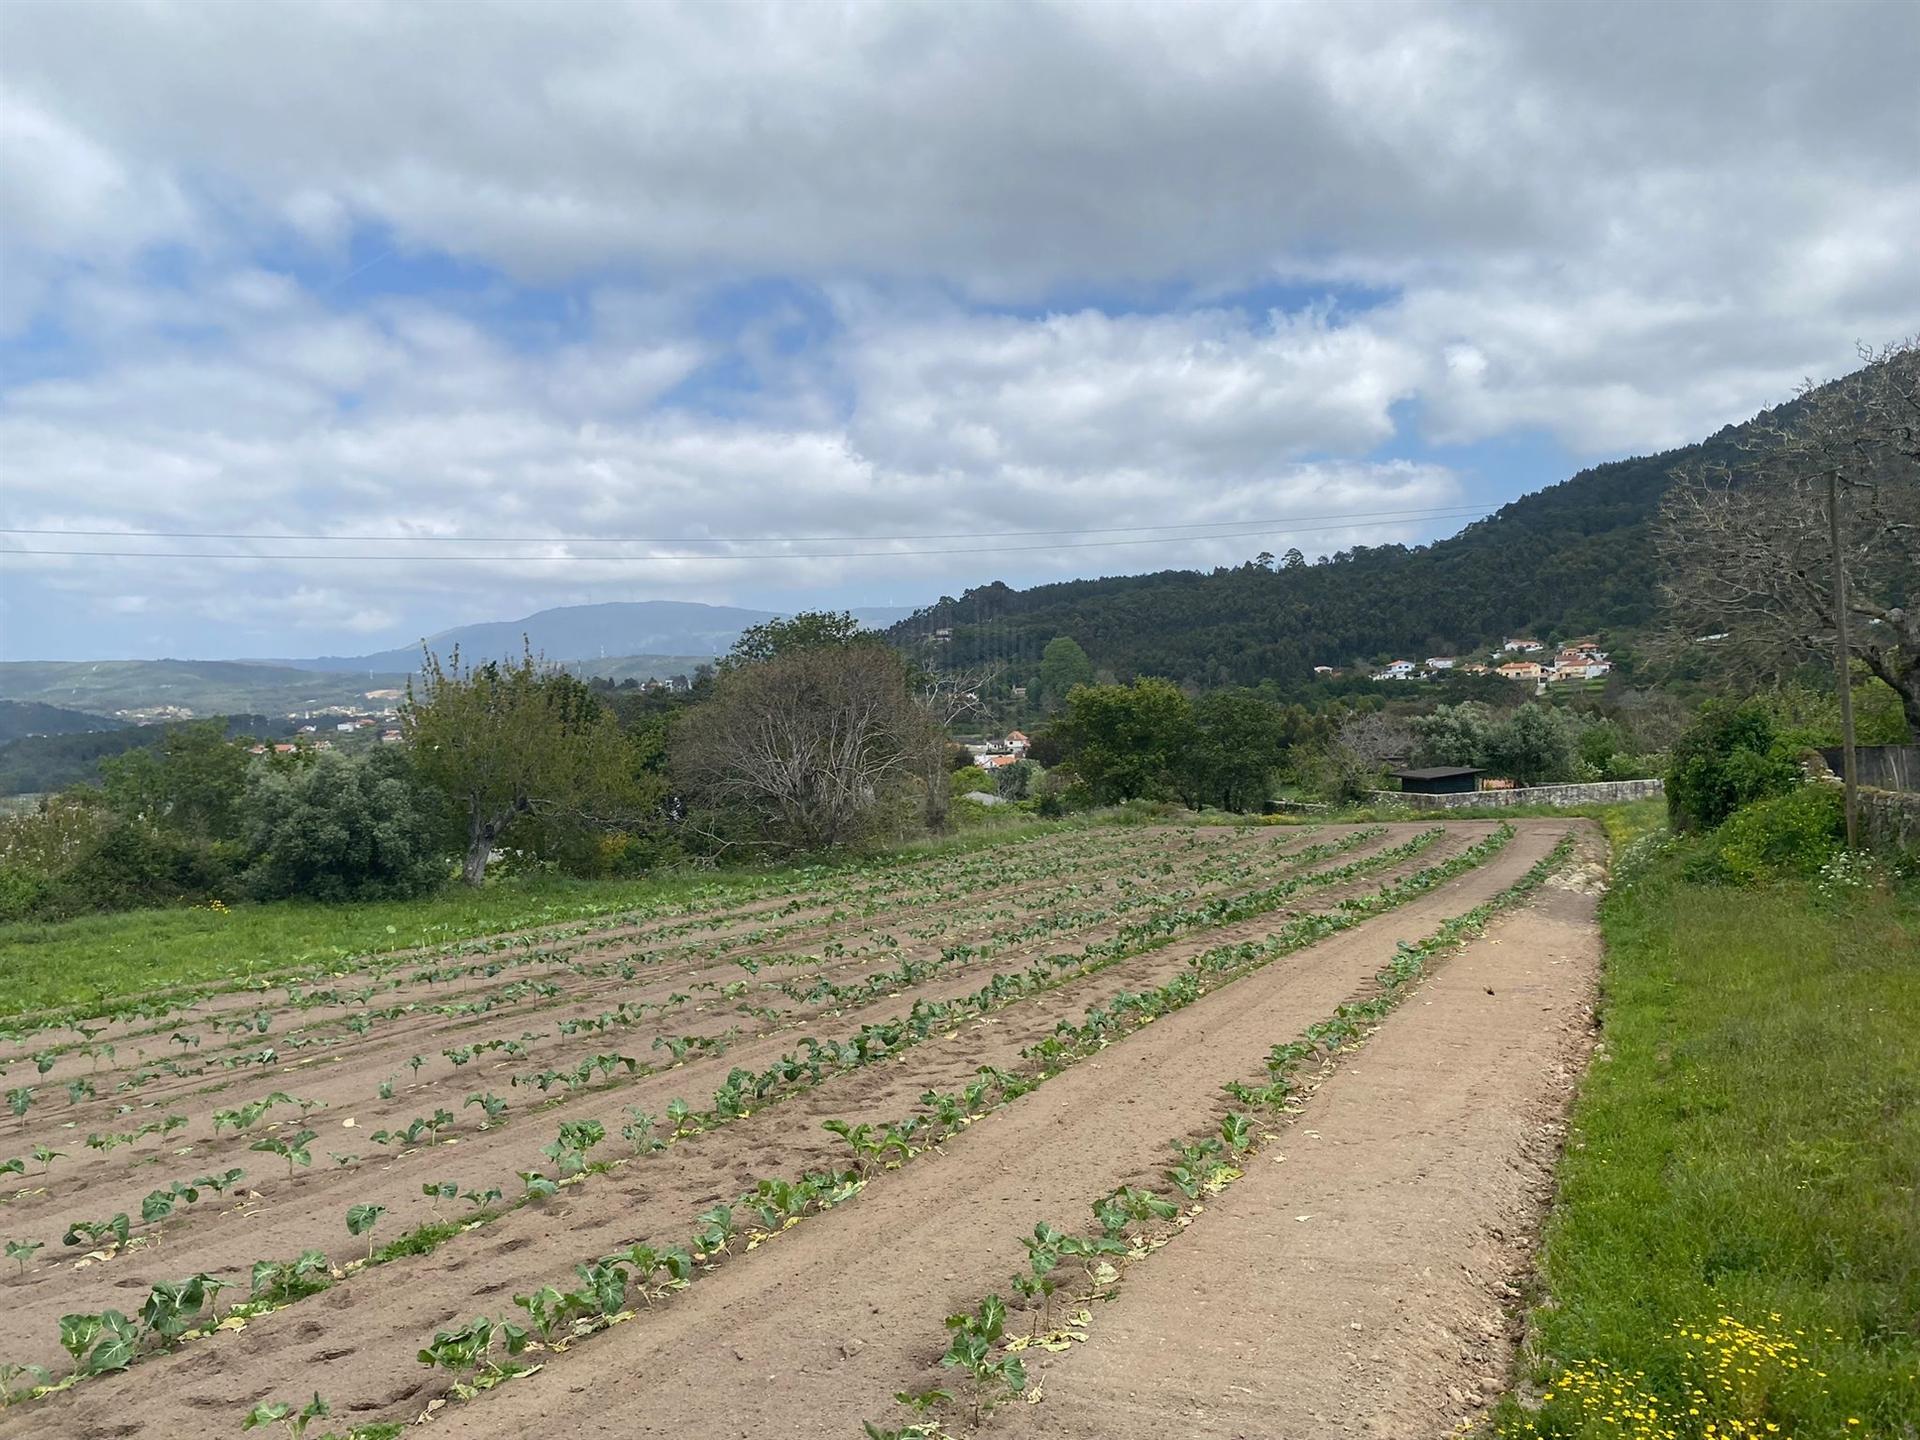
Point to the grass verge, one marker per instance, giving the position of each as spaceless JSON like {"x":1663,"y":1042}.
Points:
{"x":1736,"y":1245}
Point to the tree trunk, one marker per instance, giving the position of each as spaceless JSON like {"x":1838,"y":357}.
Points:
{"x":939,"y":793}
{"x":1904,"y":682}
{"x":473,"y":869}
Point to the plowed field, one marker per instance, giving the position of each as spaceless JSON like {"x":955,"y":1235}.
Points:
{"x":726,"y":1168}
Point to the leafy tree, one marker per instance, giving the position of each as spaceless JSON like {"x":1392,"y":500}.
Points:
{"x":809,"y":630}
{"x":1063,"y":665}
{"x":1729,"y":758}
{"x":1460,"y":734}
{"x":1239,"y":741}
{"x":1127,"y":741}
{"x":1535,"y":746}
{"x":345,"y":828}
{"x":504,"y":743}
{"x":191,"y":786}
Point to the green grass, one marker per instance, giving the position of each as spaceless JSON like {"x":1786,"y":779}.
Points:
{"x":1747,"y":1144}
{"x":96,"y":961}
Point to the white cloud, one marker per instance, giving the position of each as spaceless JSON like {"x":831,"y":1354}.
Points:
{"x":1021,"y":238}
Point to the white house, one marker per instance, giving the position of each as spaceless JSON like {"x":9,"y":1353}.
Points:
{"x":1395,"y":670}
{"x":1440,"y":662}
{"x":1523,"y":644}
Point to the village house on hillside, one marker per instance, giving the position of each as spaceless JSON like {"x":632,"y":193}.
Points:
{"x":1395,"y":670}
{"x":1523,"y":645}
{"x":1519,"y":670}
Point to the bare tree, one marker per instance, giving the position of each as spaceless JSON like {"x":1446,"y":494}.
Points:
{"x":809,"y":748}
{"x":1748,"y":550}
{"x":946,"y":697}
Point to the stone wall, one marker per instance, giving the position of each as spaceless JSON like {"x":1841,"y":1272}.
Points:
{"x":1890,"y":820}
{"x":1601,"y":792}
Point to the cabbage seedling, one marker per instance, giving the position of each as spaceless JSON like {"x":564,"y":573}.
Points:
{"x":361,"y":1220}
{"x":172,"y":1310}
{"x":492,"y":1105}
{"x":292,"y":1149}
{"x":46,"y":1157}
{"x":94,"y":1232}
{"x":281,"y":1282}
{"x":438,"y":1190}
{"x":716,"y":1231}
{"x":99,"y":1343}
{"x":638,"y":1131}
{"x":282,"y":1413}
{"x":539,"y":1187}
{"x":21,"y":1251}
{"x":971,"y":1352}
{"x":20,"y":1098}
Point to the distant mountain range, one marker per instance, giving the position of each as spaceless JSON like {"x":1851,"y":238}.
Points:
{"x":632,"y":639}
{"x":676,"y":630}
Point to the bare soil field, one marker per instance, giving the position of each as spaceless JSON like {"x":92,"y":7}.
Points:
{"x":726,"y":1168}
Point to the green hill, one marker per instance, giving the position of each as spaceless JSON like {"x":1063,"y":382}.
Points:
{"x":21,"y":718}
{"x":183,"y":689}
{"x":1570,"y":559}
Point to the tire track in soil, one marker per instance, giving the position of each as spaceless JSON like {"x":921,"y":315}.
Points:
{"x":308,"y":1213}
{"x":816,"y":1330}
{"x":1425,"y":1166}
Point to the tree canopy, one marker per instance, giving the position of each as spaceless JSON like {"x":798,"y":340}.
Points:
{"x":516,"y":743}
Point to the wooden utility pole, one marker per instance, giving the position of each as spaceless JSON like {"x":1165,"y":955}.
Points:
{"x":1843,"y":663}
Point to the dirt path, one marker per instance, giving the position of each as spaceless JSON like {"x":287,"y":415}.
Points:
{"x":1353,"y":1282}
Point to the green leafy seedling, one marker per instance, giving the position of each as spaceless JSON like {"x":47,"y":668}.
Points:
{"x":283,"y":1413}
{"x":292,"y":1148}
{"x":21,"y":1251}
{"x":970,"y":1351}
{"x":95,"y":1232}
{"x":361,"y":1220}
{"x":492,"y":1105}
{"x":281,"y":1282}
{"x":46,"y":1157}
{"x":173,"y":1309}
{"x":438,"y":1190}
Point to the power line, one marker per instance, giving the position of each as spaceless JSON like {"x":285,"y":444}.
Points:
{"x":1429,"y":513}
{"x":775,"y":555}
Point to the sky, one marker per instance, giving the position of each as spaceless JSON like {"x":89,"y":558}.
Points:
{"x":520,"y":305}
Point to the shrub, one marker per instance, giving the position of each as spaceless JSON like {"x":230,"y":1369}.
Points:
{"x":134,"y":865}
{"x":1791,"y":834}
{"x":1732,"y":755}
{"x":344,"y":829}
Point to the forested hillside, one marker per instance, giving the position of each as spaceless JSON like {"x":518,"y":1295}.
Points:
{"x":20,"y":718}
{"x":35,"y":764}
{"x":1572,"y":558}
